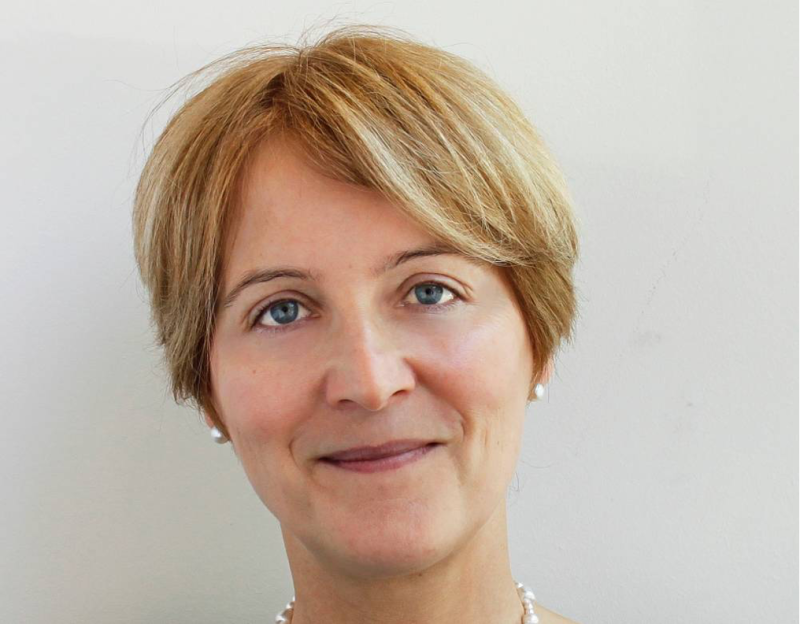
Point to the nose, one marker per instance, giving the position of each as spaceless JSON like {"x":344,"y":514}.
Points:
{"x":366,"y":366}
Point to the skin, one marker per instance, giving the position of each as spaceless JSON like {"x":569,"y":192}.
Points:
{"x":363,"y":360}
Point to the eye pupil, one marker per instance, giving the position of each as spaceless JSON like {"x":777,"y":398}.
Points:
{"x":429,"y":293}
{"x":286,"y":312}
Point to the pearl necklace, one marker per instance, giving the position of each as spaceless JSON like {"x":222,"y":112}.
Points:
{"x":525,"y":595}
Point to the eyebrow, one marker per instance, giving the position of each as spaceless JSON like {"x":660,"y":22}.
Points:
{"x":260,"y":276}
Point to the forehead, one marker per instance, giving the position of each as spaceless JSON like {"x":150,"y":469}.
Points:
{"x":289,"y":212}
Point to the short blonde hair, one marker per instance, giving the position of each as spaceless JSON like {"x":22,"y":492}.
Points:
{"x":373,"y":107}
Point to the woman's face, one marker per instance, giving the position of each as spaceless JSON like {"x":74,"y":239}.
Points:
{"x":366,"y":352}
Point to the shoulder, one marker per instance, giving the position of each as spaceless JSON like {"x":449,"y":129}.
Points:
{"x":550,"y":617}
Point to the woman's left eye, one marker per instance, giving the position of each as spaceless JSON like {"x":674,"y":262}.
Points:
{"x":430,"y":294}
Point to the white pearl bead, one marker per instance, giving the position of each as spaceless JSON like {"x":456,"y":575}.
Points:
{"x":219,"y":438}
{"x":539,"y":391}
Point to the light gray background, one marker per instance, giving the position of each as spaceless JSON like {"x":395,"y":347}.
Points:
{"x":658,"y":480}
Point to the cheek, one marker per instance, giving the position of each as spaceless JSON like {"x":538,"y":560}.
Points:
{"x":257,"y":399}
{"x":261,"y":410}
{"x":486,"y":361}
{"x":482,"y":372}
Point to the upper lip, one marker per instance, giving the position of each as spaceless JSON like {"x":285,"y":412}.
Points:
{"x":395,"y":447}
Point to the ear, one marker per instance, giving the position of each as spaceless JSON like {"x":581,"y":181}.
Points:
{"x":547,"y":374}
{"x":209,"y":410}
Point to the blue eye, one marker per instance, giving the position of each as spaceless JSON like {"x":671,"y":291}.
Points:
{"x":428,"y":291}
{"x":285,"y":311}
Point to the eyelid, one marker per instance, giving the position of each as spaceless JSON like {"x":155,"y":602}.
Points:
{"x":259,"y":310}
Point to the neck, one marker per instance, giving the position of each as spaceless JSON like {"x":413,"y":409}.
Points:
{"x":472,"y":585}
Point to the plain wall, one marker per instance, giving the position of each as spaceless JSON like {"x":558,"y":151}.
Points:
{"x":658,"y":479}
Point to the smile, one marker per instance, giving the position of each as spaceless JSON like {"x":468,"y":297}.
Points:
{"x":392,"y":462}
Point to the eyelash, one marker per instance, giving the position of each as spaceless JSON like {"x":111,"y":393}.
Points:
{"x":278,"y":329}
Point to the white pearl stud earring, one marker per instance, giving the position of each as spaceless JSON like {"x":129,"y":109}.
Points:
{"x":538,"y":390}
{"x":218,"y":436}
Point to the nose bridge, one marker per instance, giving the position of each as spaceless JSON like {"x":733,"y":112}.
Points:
{"x":366,"y":365}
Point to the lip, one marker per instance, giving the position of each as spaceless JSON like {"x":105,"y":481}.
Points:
{"x":395,"y":447}
{"x":392,"y":462}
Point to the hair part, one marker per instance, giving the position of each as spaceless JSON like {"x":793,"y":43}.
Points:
{"x":375,"y":108}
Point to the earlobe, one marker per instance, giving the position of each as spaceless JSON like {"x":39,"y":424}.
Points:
{"x":211,"y":417}
{"x":219,"y":436}
{"x":537,"y":389}
{"x":548,"y":372}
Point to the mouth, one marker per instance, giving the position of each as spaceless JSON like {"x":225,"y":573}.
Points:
{"x":387,"y":449}
{"x":384,"y":462}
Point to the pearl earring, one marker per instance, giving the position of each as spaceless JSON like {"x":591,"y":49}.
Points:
{"x":218,"y":436}
{"x":539,"y":391}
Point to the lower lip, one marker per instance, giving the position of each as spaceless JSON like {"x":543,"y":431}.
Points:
{"x":385,"y":463}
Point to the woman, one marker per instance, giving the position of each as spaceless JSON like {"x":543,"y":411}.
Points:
{"x":359,"y":254}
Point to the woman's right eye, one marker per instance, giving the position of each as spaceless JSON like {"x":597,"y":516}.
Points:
{"x":283,"y":312}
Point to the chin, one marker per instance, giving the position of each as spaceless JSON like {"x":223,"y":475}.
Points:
{"x":384,"y":560}
{"x":384,"y":543}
